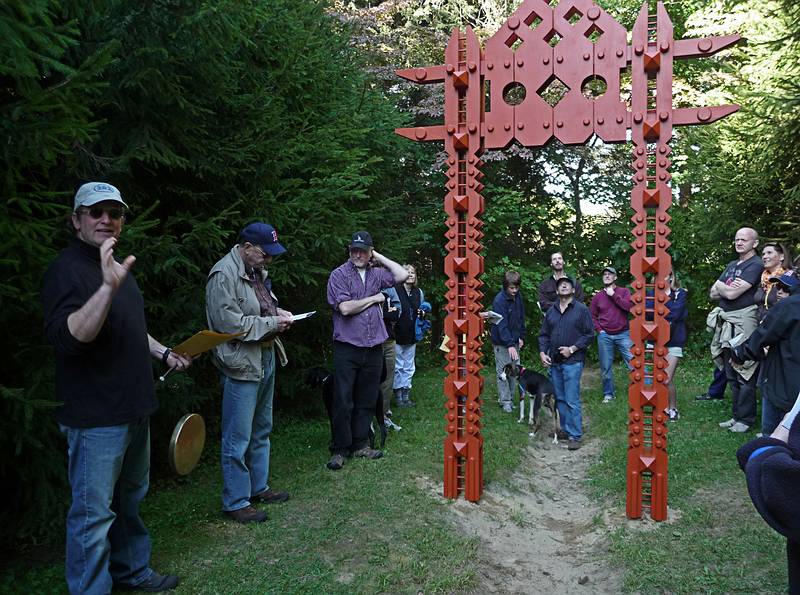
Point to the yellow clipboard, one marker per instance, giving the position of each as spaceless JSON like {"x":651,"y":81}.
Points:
{"x":203,"y":341}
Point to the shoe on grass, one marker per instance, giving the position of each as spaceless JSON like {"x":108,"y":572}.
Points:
{"x":672,"y":414}
{"x":507,"y":408}
{"x":707,"y":397}
{"x":336,"y":462}
{"x":739,"y":427}
{"x":270,"y":496}
{"x":368,"y":453}
{"x":727,"y":424}
{"x":157,"y":583}
{"x":245,"y":515}
{"x":608,"y":398}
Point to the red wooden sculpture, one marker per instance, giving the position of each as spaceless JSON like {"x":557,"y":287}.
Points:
{"x":571,"y":44}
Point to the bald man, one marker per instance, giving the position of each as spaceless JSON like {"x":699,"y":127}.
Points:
{"x":735,"y":290}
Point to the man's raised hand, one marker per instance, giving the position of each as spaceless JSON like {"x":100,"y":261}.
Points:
{"x":114,"y":273}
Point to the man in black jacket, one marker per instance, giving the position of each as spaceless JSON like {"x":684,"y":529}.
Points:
{"x":780,"y":371}
{"x":566,"y":333}
{"x":94,"y":317}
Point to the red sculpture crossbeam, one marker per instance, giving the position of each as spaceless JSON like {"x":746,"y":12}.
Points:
{"x":574,"y":43}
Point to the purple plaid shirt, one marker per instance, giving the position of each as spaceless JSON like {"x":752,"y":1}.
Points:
{"x":365,"y":329}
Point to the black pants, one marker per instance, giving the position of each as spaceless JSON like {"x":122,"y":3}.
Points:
{"x":356,"y":386}
{"x":743,"y":393}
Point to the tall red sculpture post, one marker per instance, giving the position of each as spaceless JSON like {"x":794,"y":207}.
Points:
{"x":574,"y":42}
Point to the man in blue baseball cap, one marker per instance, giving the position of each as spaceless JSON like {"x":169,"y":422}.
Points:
{"x":239,"y":299}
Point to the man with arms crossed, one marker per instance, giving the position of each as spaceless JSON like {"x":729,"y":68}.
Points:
{"x":354,"y":293}
{"x":94,"y":317}
{"x":737,"y":318}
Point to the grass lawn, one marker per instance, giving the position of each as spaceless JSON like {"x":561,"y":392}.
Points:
{"x":376,"y":526}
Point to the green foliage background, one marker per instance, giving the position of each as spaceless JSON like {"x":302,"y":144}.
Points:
{"x":212,"y":114}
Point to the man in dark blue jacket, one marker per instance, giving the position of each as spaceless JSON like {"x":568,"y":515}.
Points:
{"x":567,"y":330}
{"x":508,"y":335}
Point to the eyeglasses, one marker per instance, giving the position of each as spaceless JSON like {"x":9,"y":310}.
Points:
{"x":96,"y":212}
{"x":261,"y":253}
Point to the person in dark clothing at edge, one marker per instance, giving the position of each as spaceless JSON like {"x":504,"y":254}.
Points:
{"x":508,"y":335}
{"x":780,"y":367}
{"x":94,"y":318}
{"x":567,"y":331}
{"x":771,"y":465}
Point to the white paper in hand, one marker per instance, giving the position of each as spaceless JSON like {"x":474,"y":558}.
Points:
{"x":296,"y":317}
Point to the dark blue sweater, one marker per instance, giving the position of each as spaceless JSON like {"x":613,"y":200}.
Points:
{"x":678,"y":310}
{"x":511,"y":329}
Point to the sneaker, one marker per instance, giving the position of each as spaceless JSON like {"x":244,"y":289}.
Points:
{"x":562,"y":435}
{"x":391,"y":425}
{"x":507,"y":408}
{"x":672,"y":414}
{"x":156,"y":583}
{"x":608,"y":398}
{"x":759,"y":435}
{"x":707,"y":397}
{"x":388,"y":414}
{"x":248,"y":514}
{"x":336,"y":462}
{"x":739,"y":427}
{"x":368,"y":453}
{"x":727,"y":424}
{"x":270,"y":496}
{"x":574,"y":444}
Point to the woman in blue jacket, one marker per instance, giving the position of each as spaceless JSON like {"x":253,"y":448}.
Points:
{"x":678,"y":309}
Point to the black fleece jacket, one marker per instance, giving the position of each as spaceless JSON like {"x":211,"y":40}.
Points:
{"x":108,"y":381}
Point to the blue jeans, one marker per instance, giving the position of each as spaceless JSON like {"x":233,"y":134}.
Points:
{"x":109,"y":473}
{"x":246,"y":426}
{"x":606,"y":344}
{"x":567,"y":384}
{"x":404,"y":365}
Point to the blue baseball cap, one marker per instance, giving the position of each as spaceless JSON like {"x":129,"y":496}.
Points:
{"x":264,"y":236}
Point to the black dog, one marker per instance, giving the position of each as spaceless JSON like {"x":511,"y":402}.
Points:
{"x":320,"y":377}
{"x":540,"y":391}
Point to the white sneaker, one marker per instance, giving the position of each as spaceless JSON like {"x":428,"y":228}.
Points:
{"x":608,"y":398}
{"x":507,"y":408}
{"x":727,"y":424}
{"x":739,"y":427}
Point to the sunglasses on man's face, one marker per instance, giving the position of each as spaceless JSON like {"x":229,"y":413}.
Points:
{"x":96,"y":212}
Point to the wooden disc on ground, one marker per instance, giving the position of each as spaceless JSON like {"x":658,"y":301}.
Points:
{"x":186,"y":444}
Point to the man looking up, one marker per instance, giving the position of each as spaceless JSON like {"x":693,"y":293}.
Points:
{"x":354,"y":293}
{"x":737,"y":318}
{"x":239,"y":299}
{"x":94,"y":318}
{"x":610,"y":308}
{"x":547,"y":288}
{"x":564,"y":337}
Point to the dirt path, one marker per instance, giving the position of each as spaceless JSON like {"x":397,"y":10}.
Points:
{"x":540,"y":531}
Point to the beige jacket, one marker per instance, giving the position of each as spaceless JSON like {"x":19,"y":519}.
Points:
{"x":737,"y":324}
{"x":232,"y":307}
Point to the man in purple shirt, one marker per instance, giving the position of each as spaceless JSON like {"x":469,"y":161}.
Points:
{"x":609,"y":310}
{"x":354,"y":293}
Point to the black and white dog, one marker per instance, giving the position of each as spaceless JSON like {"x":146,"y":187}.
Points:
{"x":540,"y":391}
{"x":320,"y":377}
